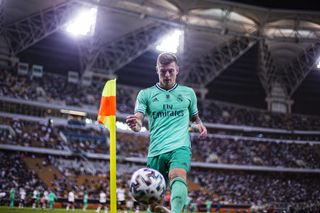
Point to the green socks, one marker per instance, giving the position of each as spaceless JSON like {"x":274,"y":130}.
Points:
{"x":179,"y":192}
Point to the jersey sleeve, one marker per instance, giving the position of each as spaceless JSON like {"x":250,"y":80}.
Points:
{"x":141,"y":102}
{"x":193,"y":108}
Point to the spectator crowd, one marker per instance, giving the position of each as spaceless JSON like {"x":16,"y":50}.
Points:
{"x":56,"y":89}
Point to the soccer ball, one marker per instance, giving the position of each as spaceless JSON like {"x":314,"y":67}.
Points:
{"x":147,"y":186}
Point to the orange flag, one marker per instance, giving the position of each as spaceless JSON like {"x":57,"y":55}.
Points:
{"x":107,"y":104}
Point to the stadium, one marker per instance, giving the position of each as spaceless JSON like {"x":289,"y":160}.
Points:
{"x":254,"y":67}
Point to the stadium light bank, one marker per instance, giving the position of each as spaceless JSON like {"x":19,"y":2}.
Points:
{"x":170,"y":43}
{"x":84,"y":23}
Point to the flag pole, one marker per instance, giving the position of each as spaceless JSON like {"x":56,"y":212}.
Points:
{"x":113,"y":166}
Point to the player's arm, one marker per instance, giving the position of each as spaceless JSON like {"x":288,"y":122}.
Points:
{"x":135,"y":121}
{"x":200,"y":126}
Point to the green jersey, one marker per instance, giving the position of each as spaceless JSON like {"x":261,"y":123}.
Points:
{"x":85,"y":198}
{"x":169,"y":112}
{"x":38,"y":196}
{"x":208,"y":204}
{"x":12,"y":193}
{"x":51,"y":196}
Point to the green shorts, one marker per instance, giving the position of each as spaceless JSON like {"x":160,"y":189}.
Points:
{"x":178,"y":158}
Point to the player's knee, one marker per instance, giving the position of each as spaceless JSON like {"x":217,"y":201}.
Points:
{"x":177,"y":173}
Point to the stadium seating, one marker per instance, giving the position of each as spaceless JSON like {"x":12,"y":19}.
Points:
{"x":16,"y":174}
{"x":51,"y":87}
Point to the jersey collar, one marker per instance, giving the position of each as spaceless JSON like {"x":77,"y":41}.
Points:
{"x":169,"y":90}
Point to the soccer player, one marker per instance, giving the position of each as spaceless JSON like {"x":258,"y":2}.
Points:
{"x":208,"y":205}
{"x":170,"y":107}
{"x":71,"y":198}
{"x":35,"y":198}
{"x":85,"y":201}
{"x":121,"y":197}
{"x":51,"y":198}
{"x":46,"y":201}
{"x":12,"y":196}
{"x":102,"y":202}
{"x":43,"y":203}
{"x":38,"y":197}
{"x":2,"y":195}
{"x":22,"y":193}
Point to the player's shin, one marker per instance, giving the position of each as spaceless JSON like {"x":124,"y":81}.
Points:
{"x":179,"y":192}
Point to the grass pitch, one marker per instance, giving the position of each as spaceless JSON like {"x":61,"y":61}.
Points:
{"x":4,"y":209}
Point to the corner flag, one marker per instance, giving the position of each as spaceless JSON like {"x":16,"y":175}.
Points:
{"x":107,"y":117}
{"x":107,"y":104}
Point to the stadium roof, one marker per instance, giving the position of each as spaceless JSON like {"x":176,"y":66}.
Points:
{"x":238,"y":51}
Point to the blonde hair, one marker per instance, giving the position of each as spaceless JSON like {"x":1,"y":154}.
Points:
{"x":166,"y":58}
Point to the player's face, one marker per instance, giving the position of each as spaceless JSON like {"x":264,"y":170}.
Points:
{"x":167,"y":74}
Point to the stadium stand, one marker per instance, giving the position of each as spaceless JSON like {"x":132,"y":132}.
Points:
{"x":16,"y":174}
{"x":247,"y":188}
{"x":247,"y":152}
{"x":212,"y":111}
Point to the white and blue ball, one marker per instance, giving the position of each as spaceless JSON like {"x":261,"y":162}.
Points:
{"x":147,"y":186}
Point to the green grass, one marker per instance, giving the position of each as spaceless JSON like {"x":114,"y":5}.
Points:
{"x":30,"y":210}
{"x":5,"y":209}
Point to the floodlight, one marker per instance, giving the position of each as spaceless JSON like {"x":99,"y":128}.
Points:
{"x":170,"y":43}
{"x":83,"y":23}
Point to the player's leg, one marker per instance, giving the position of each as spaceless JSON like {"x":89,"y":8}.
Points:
{"x":124,"y":204}
{"x":179,"y":189}
{"x":11,"y":205}
{"x":33,"y":203}
{"x":120,"y":206}
{"x":99,"y":207}
{"x":179,"y":166}
{"x":136,"y":207}
{"x":106,"y":208}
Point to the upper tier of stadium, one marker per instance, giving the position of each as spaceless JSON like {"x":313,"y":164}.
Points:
{"x":54,"y":91}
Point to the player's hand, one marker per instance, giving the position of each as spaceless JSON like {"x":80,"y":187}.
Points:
{"x":134,"y":123}
{"x":203,"y":133}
